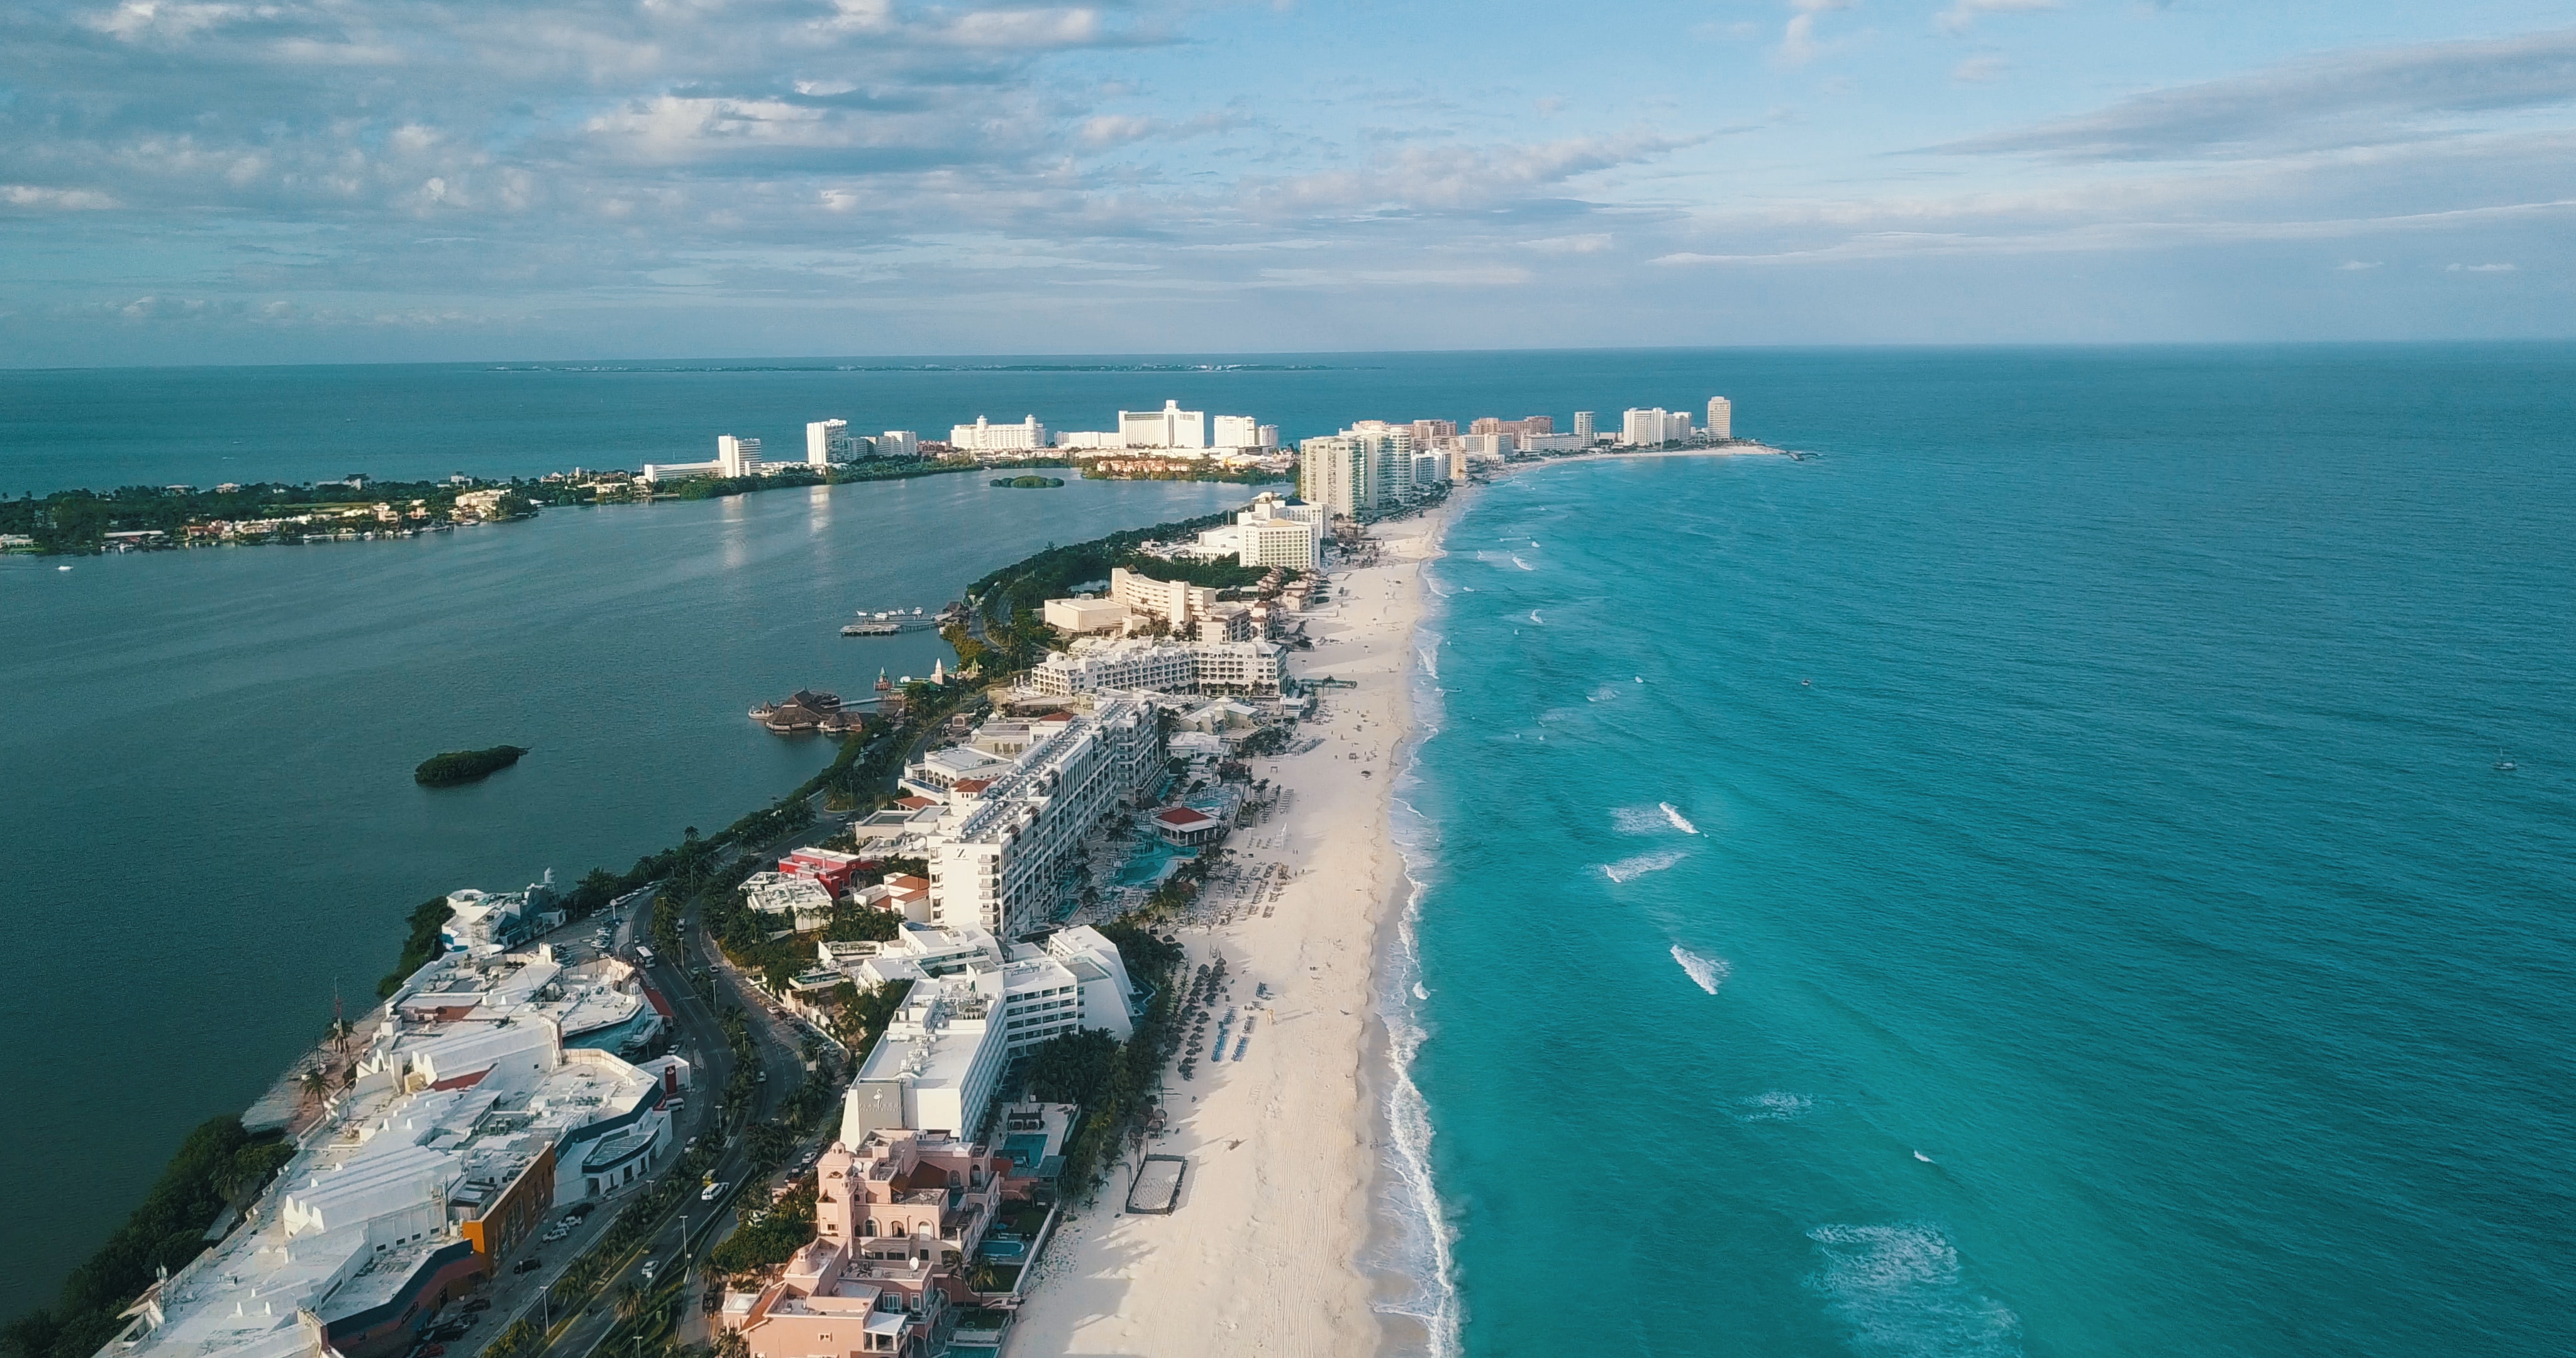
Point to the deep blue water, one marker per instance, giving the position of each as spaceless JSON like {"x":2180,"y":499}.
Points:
{"x":2121,"y":939}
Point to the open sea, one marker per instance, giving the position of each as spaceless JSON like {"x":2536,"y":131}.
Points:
{"x":2031,"y":878}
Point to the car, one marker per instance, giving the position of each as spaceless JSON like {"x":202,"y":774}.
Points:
{"x":528,"y":1265}
{"x":708,"y":1194}
{"x":479,"y":1304}
{"x":651,"y":1267}
{"x":581,"y":1210}
{"x":431,"y":1351}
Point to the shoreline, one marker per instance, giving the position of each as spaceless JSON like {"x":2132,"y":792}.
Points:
{"x":1268,"y":1250}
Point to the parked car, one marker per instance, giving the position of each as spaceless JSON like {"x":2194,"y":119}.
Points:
{"x":479,"y":1304}
{"x":528,"y":1265}
{"x":432,"y":1351}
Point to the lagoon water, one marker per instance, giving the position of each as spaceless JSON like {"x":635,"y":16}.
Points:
{"x":209,"y":807}
{"x":2029,"y":880}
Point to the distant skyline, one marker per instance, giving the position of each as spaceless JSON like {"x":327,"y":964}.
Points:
{"x":212,"y":181}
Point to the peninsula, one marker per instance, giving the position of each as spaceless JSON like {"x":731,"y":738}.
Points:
{"x":1040,"y":1013}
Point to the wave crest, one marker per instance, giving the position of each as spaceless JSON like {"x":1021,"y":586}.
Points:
{"x":1628,"y":869}
{"x":1709,"y":972}
{"x":1773,"y":1105}
{"x":1899,"y":1290}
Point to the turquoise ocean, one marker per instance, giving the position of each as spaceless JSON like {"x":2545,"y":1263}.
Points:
{"x":2030,"y":878}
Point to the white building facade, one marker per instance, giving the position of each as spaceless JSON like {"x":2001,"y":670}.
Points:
{"x":998,"y":859}
{"x":984,"y":436}
{"x":1169,"y":427}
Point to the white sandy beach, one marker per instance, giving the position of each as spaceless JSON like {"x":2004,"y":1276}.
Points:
{"x":1260,"y":1257}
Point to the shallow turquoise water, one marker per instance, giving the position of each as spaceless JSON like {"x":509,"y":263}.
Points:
{"x":2104,"y":930}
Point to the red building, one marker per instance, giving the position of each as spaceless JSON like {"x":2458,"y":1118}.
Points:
{"x":828,"y":867}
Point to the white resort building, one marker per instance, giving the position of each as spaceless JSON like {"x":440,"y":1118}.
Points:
{"x":1141,"y":663}
{"x":998,"y":857}
{"x":467,"y":1124}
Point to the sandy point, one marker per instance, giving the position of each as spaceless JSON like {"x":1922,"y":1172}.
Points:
{"x":1261,"y":1254}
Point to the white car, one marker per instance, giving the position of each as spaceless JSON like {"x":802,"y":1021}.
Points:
{"x":651,"y":1266}
{"x":708,"y":1194}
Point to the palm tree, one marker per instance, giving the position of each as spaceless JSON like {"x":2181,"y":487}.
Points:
{"x":316,"y":1086}
{"x":630,"y":1299}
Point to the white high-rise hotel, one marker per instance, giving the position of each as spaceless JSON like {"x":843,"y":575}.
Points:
{"x":997,"y":860}
{"x":1169,"y":427}
{"x":1371,"y":465}
{"x":984,"y":436}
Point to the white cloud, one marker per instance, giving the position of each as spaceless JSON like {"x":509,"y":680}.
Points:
{"x":1981,"y":70}
{"x":1591,"y":243}
{"x":2358,"y":265}
{"x":2480,"y":268}
{"x":1962,"y":14}
{"x":65,"y":200}
{"x":1798,"y":42}
{"x":2360,"y":98}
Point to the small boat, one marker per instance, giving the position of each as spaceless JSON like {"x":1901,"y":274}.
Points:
{"x":2504,"y":762}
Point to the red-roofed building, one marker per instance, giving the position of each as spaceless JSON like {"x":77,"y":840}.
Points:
{"x":968,"y":787}
{"x":1188,"y":825}
{"x":914,"y":803}
{"x":828,"y":868}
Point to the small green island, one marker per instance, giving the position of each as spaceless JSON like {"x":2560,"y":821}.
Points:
{"x":465,"y":766}
{"x":1028,"y":482}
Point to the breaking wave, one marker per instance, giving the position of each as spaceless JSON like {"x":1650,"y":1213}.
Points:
{"x":1899,"y":1291}
{"x":1627,"y":869}
{"x":1710,"y":972}
{"x":1773,"y":1105}
{"x":1516,"y":560}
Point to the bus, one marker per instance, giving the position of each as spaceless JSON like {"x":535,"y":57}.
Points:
{"x":644,"y":955}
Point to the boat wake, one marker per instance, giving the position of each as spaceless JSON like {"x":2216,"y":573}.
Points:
{"x":1629,"y":869}
{"x":1680,"y":821}
{"x":1516,"y":560}
{"x":1709,"y":972}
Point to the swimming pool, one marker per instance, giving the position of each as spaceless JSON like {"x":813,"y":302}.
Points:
{"x":1153,"y":861}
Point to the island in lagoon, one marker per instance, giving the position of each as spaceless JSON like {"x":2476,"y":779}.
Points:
{"x":1028,"y":482}
{"x":458,"y":767}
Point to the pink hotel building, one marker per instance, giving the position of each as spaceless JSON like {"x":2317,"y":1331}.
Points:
{"x":895,"y":1224}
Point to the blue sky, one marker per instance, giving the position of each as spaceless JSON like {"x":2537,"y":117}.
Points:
{"x":190,"y":181}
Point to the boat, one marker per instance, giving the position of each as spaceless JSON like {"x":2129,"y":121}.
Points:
{"x":2504,"y":762}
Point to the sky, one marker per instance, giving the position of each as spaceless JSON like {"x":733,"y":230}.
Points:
{"x":224,"y":181}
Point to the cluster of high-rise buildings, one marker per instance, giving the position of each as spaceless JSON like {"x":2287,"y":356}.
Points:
{"x":1377,"y":465}
{"x":826,"y":442}
{"x":1172,"y":431}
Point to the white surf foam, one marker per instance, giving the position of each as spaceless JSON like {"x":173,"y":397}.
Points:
{"x":1516,"y":560}
{"x":1773,"y":1105}
{"x":1710,"y":972}
{"x":1899,"y":1290}
{"x":1628,"y":869}
{"x":1534,"y":617}
{"x":1680,"y":822}
{"x":1637,"y":820}
{"x":1418,"y":1245}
